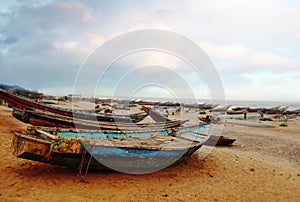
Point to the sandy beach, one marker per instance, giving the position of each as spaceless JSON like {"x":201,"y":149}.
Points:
{"x":262,"y":165}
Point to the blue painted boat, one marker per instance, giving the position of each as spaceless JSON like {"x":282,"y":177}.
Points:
{"x":140,"y":154}
{"x":81,"y":133}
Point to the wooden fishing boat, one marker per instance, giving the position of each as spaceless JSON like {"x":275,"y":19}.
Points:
{"x":211,"y":140}
{"x":249,"y":109}
{"x":231,"y":111}
{"x":220,"y":109}
{"x":207,"y":106}
{"x":131,"y":154}
{"x":236,"y":110}
{"x":23,"y":103}
{"x":273,"y":110}
{"x":82,"y":133}
{"x":154,"y":115}
{"x":48,"y":119}
{"x":290,"y":112}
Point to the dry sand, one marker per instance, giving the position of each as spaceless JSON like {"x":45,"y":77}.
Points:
{"x":263,"y":165}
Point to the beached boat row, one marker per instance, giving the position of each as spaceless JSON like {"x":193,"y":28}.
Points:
{"x":270,"y":111}
{"x":25,"y":103}
{"x":87,"y":140}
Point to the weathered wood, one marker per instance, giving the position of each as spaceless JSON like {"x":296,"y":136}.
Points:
{"x":23,"y":103}
{"x":48,"y":135}
{"x":81,"y":133}
{"x":42,"y":118}
{"x":142,"y":154}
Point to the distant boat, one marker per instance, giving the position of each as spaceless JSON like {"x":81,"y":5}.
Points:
{"x":289,"y":112}
{"x":206,"y":106}
{"x":154,"y":115}
{"x":249,"y":109}
{"x":130,"y":154}
{"x":24,"y":103}
{"x":211,"y":140}
{"x":274,"y":110}
{"x":236,"y":110}
{"x":220,"y":109}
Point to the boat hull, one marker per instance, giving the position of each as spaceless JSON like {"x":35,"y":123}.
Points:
{"x":25,"y":103}
{"x":82,"y":133}
{"x":235,"y":112}
{"x":47,"y":119}
{"x":132,"y":156}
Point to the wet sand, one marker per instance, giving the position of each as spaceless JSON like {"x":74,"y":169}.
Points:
{"x":262,"y":165}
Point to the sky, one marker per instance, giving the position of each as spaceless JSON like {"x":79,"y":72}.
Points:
{"x":254,"y":47}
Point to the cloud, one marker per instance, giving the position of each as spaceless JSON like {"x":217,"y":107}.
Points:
{"x":8,"y":40}
{"x":49,"y":20}
{"x":266,"y":86}
{"x":44,"y":42}
{"x":74,"y":9}
{"x":66,"y":46}
{"x":95,"y":39}
{"x":262,"y":85}
{"x":225,"y":52}
{"x":151,"y":77}
{"x":156,"y":58}
{"x":238,"y":57}
{"x":252,"y":43}
{"x":271,"y":60}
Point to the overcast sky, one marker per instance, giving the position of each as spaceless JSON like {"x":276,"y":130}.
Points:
{"x":254,"y":45}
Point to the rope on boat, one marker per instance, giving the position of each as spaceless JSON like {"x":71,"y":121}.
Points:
{"x":84,"y":152}
{"x":47,"y":134}
{"x":88,"y":165}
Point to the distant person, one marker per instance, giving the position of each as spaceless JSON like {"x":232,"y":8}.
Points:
{"x":207,"y":119}
{"x":284,"y":123}
{"x":107,"y":111}
{"x":261,"y":114}
{"x":285,"y":119}
{"x":245,"y":115}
